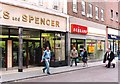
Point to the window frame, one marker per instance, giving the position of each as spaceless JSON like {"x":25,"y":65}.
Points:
{"x":90,"y":10}
{"x":41,"y":2}
{"x":83,"y":6}
{"x":74,"y":6}
{"x":96,"y":13}
{"x":117,"y":16}
{"x":111,"y":14}
{"x":102,"y":14}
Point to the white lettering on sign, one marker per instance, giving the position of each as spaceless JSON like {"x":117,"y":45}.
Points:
{"x":112,"y":36}
{"x":79,"y":30}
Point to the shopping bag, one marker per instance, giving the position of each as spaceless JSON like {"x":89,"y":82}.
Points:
{"x":113,"y":61}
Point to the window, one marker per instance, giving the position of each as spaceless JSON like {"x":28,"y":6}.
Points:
{"x":116,"y":16}
{"x":75,"y":6}
{"x":83,"y":7}
{"x":56,"y":4}
{"x":111,"y":14}
{"x":89,"y":11}
{"x":40,"y":2}
{"x":102,"y":14}
{"x":96,"y":12}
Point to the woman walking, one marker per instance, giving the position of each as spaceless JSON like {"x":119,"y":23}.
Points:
{"x":84,"y":57}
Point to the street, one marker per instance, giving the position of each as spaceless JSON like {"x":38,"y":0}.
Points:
{"x":93,"y":74}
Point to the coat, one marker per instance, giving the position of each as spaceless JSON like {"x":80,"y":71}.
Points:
{"x":74,"y":54}
{"x":106,"y":57}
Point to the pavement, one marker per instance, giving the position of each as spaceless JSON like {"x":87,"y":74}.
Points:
{"x":14,"y":75}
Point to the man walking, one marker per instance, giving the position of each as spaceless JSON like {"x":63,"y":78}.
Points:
{"x":74,"y":56}
{"x":109,"y":55}
{"x":46,"y":57}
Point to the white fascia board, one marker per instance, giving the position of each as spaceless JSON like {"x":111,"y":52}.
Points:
{"x":113,"y":31}
{"x":79,"y":21}
{"x":33,"y":7}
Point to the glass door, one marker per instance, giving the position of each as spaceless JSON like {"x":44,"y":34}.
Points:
{"x":34,"y":52}
{"x":15,"y":53}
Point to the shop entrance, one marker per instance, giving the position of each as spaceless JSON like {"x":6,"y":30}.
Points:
{"x":3,"y":54}
{"x":31,"y":52}
{"x":78,"y":43}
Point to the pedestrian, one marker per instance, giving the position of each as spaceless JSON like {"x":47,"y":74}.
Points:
{"x":84,"y":57}
{"x":109,"y":56}
{"x":74,"y":56}
{"x":46,"y":58}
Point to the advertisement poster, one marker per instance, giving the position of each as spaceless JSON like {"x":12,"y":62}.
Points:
{"x":91,"y":49}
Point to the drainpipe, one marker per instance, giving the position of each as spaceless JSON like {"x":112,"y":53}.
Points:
{"x":106,"y":41}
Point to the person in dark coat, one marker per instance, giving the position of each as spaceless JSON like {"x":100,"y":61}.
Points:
{"x":109,"y":56}
{"x":84,"y":57}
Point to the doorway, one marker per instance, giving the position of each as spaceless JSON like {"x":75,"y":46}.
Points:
{"x":31,"y":53}
{"x":3,"y":54}
{"x":78,"y":43}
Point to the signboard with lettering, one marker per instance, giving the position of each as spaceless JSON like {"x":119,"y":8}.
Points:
{"x":113,"y":37}
{"x":78,"y":29}
{"x":18,"y":16}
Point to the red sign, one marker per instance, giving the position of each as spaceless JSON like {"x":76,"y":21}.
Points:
{"x":78,"y":29}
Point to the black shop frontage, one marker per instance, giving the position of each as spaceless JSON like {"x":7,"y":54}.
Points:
{"x":27,"y":33}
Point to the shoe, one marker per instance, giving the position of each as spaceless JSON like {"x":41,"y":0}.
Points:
{"x":43,"y":70}
{"x":83,"y":65}
{"x":48,"y":73}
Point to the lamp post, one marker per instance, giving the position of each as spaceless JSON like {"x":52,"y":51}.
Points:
{"x":20,"y":68}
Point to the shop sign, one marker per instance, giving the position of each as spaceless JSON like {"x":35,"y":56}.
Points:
{"x":113,"y":37}
{"x":78,"y":29}
{"x":16,"y":16}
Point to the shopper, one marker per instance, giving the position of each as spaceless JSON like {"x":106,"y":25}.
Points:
{"x":46,"y":57}
{"x":109,"y":56}
{"x":74,"y":56}
{"x":84,"y":57}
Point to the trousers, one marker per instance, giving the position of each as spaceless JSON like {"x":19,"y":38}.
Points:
{"x":47,"y":64}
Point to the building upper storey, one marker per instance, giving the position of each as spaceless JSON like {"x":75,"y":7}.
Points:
{"x":58,"y":6}
{"x":112,"y":14}
{"x":98,"y":11}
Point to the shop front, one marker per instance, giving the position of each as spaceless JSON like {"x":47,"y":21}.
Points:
{"x":39,"y":30}
{"x":85,"y":35}
{"x":114,"y":40}
{"x":113,"y":43}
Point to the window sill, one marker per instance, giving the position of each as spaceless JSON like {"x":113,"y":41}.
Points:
{"x":83,"y":13}
{"x":75,"y":11}
{"x":111,"y":19}
{"x":102,"y":19}
{"x":117,"y":21}
{"x":97,"y":18}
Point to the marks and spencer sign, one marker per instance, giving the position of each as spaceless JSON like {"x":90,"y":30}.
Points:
{"x":31,"y":19}
{"x":17,"y":16}
{"x":78,"y":29}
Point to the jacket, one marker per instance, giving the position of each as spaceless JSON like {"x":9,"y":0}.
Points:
{"x":108,"y":58}
{"x":46,"y":55}
{"x":74,"y":54}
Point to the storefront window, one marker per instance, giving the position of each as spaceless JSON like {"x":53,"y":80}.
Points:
{"x":91,"y":48}
{"x":115,"y":47}
{"x":59,"y":46}
{"x":56,"y":42}
{"x":3,"y":47}
{"x":95,"y":49}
